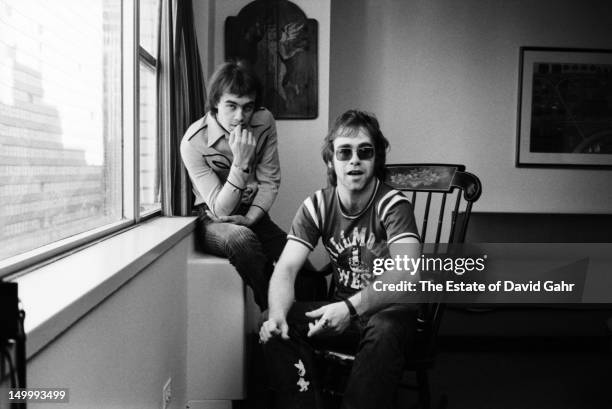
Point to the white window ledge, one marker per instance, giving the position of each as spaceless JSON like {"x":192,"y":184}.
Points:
{"x":57,"y":295}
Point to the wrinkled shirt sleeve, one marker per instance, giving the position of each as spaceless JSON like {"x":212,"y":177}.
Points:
{"x":206,"y":182}
{"x":204,"y":179}
{"x":267,"y":169}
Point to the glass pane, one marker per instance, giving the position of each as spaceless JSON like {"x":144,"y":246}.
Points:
{"x":149,"y":142}
{"x":149,"y":25}
{"x":60,"y":120}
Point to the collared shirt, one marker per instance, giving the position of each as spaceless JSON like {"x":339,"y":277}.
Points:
{"x":208,"y":158}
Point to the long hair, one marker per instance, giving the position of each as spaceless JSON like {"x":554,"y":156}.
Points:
{"x":234,"y":77}
{"x":349,"y":124}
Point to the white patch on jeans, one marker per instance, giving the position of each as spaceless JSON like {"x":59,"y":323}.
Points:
{"x":301,"y":368}
{"x":303,"y":384}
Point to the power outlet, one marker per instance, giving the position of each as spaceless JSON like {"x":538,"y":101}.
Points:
{"x":167,"y":394}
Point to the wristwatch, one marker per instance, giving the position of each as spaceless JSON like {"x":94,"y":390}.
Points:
{"x":351,"y":308}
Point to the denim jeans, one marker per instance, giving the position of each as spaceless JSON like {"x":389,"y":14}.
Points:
{"x":380,"y":341}
{"x":252,"y":251}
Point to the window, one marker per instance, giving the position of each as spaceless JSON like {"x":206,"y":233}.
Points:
{"x":150,"y":180}
{"x":63,"y":139}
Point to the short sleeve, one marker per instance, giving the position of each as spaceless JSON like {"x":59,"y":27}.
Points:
{"x":305,"y":227}
{"x":398,"y":219}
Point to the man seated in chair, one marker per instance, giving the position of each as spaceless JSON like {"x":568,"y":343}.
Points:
{"x":359,"y":219}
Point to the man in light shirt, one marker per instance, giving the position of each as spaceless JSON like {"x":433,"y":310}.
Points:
{"x":232,"y":159}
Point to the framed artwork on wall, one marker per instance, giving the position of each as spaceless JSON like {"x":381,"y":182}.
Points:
{"x":565,"y":108}
{"x":281,"y":43}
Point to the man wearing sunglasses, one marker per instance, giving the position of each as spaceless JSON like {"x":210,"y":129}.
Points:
{"x":358,"y":219}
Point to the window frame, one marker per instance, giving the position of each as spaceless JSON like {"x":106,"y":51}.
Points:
{"x":132,"y":53}
{"x":144,"y":57}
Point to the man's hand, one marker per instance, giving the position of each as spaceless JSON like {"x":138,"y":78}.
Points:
{"x":242,"y":144}
{"x":272,"y":328}
{"x":236,"y":219}
{"x":332,"y":318}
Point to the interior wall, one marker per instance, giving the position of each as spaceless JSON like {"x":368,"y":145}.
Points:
{"x":121,"y":354}
{"x":442,"y":77}
{"x":302,"y":169}
{"x":204,"y":22}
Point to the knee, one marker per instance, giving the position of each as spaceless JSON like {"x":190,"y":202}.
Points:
{"x":270,"y":348}
{"x":240,"y":239}
{"x":386,"y":327}
{"x":383,"y":326}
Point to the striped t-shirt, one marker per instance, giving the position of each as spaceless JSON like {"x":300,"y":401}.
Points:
{"x":354,"y":241}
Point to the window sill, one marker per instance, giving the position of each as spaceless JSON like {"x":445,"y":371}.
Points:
{"x":57,"y":295}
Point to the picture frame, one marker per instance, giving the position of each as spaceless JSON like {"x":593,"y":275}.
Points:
{"x":281,"y":43}
{"x":564,"y":108}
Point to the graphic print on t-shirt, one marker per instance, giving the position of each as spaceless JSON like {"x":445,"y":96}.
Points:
{"x":354,"y":241}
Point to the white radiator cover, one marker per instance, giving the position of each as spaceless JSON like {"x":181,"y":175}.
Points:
{"x":216,"y":342}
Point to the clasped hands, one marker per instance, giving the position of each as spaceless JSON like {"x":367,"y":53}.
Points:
{"x":329,"y":319}
{"x":234,"y":218}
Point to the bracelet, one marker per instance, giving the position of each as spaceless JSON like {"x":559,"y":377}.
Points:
{"x":237,"y":188}
{"x":259,"y":207}
{"x":351,"y":308}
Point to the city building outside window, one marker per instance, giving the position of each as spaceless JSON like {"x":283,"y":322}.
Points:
{"x":62,"y":135}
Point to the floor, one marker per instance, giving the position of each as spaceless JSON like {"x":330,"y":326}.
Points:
{"x":509,"y":373}
{"x":520,"y":373}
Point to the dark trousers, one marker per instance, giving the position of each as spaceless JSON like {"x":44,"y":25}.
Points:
{"x":380,"y":341}
{"x":252,"y":251}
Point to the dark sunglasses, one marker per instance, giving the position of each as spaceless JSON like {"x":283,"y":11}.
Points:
{"x":364,"y":152}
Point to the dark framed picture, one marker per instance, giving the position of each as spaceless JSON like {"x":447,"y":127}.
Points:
{"x":282,"y":44}
{"x":565,"y":107}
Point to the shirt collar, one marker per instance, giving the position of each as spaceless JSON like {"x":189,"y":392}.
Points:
{"x":257,"y":119}
{"x":367,"y":206}
{"x":216,"y":131}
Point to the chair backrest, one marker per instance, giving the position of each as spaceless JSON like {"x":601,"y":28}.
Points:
{"x":430,"y":187}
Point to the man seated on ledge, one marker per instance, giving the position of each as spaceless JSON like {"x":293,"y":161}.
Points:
{"x":358,"y":219}
{"x":232,"y":159}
